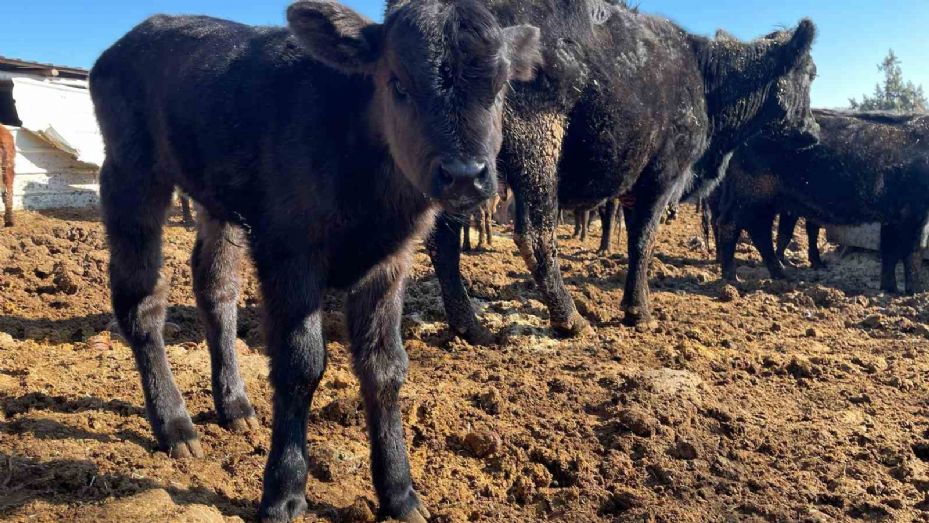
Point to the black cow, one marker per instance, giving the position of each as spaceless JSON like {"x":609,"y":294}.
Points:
{"x":868,"y":167}
{"x":332,"y":143}
{"x":654,"y":104}
{"x":786,"y":223}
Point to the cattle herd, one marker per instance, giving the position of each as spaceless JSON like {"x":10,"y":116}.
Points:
{"x":329,"y":147}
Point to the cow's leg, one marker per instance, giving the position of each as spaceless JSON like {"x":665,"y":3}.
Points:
{"x":480,"y":215}
{"x":467,"y":234}
{"x":812,"y":234}
{"x":135,"y":207}
{"x":292,"y":289}
{"x":585,"y":224}
{"x":531,"y":152}
{"x":785,"y":234}
{"x":186,"y":212}
{"x":488,"y":226}
{"x":910,"y":252}
{"x":759,"y":229}
{"x":6,"y":166}
{"x":215,"y":268}
{"x":445,"y":250}
{"x":8,"y":204}
{"x":641,"y":229}
{"x":607,"y":219}
{"x":706,"y":219}
{"x":889,"y":257}
{"x":374,"y":309}
{"x":577,"y":224}
{"x":727,"y":229}
{"x":912,"y":265}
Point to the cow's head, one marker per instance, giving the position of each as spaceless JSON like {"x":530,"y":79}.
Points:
{"x":441,"y":69}
{"x":764,"y":84}
{"x":790,"y":105}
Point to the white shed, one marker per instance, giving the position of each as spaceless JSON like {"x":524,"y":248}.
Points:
{"x":59,"y":149}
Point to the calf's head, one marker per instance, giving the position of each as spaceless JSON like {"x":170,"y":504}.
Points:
{"x":764,"y":84}
{"x":440,"y":69}
{"x":791,"y":103}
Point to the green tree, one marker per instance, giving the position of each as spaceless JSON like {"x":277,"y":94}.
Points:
{"x":895,"y":94}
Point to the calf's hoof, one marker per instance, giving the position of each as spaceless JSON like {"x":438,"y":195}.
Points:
{"x":477,"y":334}
{"x":640,"y":318}
{"x":577,"y":326}
{"x":419,"y":514}
{"x":236,"y":414}
{"x":186,"y":449}
{"x":284,"y":510}
{"x":243,"y":425}
{"x":179,"y":439}
{"x":408,"y":510}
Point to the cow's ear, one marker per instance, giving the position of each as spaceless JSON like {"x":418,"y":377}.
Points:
{"x":523,"y":50}
{"x":336,"y":35}
{"x":726,"y":36}
{"x":801,"y":41}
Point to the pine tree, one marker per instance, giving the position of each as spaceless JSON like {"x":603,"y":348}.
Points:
{"x":895,"y":94}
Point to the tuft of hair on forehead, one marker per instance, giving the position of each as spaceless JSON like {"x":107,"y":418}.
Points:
{"x":474,"y":37}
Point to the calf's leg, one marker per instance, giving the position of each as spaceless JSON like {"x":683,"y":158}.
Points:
{"x":6,"y":175}
{"x":641,"y":228}
{"x":785,"y":233}
{"x":607,"y":219}
{"x":374,"y":309}
{"x":727,"y":230}
{"x":135,"y":207}
{"x":759,"y":229}
{"x":215,"y":269}
{"x":467,"y":234}
{"x":534,"y":172}
{"x":292,"y":289}
{"x":889,"y":247}
{"x":445,"y":251}
{"x":812,"y":234}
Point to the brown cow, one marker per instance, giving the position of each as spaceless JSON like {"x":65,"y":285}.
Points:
{"x":7,"y":158}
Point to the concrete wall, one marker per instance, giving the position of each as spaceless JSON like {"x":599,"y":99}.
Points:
{"x":47,"y":177}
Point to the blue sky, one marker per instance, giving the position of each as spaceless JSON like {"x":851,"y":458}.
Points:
{"x":854,"y":35}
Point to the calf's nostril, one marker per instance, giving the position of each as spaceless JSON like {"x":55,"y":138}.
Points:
{"x":458,"y":169}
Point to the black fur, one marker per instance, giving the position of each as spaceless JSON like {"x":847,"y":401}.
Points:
{"x":331,"y":143}
{"x":868,"y":167}
{"x":630,"y":104}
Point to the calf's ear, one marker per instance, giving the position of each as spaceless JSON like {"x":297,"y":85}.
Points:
{"x":801,"y":42}
{"x":523,"y":50}
{"x":336,"y":35}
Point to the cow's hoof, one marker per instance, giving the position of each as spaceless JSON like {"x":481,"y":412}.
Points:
{"x":576,"y":327}
{"x":284,"y":511}
{"x":477,"y":334}
{"x":408,"y":510}
{"x":243,"y":425}
{"x":186,"y":449}
{"x":819,"y":266}
{"x":417,"y":515}
{"x":640,"y":319}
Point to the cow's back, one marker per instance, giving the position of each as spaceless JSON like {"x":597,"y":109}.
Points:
{"x":645,"y":99}
{"x":217,"y":106}
{"x":865,"y":168}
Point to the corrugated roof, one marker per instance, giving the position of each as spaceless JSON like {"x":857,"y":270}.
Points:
{"x":63,"y":71}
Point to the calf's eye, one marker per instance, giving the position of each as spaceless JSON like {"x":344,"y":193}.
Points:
{"x":399,"y":91}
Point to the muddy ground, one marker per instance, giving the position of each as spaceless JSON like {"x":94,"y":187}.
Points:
{"x":767,"y":401}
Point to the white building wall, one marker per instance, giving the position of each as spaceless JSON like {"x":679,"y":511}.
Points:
{"x":47,"y":177}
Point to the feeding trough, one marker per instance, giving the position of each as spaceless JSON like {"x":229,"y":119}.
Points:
{"x":866,"y":236}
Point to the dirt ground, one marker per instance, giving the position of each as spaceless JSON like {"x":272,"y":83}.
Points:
{"x":765,"y":401}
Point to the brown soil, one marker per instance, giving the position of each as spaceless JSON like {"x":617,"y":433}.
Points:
{"x":764,"y":401}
